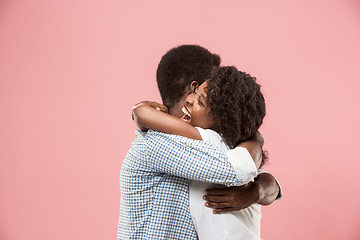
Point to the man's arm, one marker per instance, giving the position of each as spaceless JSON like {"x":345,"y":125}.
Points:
{"x":270,"y":188}
{"x":264,"y":190}
{"x":196,"y":160}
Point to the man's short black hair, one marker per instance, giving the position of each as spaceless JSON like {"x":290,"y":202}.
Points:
{"x":179,"y":67}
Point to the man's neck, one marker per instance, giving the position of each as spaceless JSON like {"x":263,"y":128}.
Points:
{"x":176,"y":111}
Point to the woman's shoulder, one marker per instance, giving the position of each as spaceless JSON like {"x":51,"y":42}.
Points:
{"x":210,"y":135}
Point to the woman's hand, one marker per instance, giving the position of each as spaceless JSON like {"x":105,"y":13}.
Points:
{"x":144,"y":114}
{"x":153,"y":115}
{"x":151,"y":104}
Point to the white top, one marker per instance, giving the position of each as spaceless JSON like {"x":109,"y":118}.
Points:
{"x":243,"y":224}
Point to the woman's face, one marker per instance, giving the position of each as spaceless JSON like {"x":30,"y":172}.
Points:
{"x":196,"y":112}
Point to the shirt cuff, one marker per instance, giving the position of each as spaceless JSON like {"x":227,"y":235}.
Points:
{"x":243,"y":164}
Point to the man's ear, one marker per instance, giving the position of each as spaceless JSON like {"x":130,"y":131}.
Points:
{"x":194,"y":85}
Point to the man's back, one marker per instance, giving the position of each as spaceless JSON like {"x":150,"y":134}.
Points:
{"x":154,"y":185}
{"x":153,"y":204}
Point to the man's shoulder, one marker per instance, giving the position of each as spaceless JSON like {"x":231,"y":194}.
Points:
{"x":152,"y":134}
{"x":154,"y":139}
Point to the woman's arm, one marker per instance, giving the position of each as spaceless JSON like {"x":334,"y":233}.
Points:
{"x":152,"y":115}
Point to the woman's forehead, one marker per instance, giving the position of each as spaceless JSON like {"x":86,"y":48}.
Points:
{"x":203,"y":85}
{"x":203,"y":88}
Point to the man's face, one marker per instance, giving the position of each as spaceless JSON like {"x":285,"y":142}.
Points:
{"x":176,"y":109}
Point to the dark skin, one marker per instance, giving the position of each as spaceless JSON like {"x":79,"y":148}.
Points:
{"x":263,"y":190}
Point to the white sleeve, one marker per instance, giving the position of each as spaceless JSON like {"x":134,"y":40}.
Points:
{"x":243,"y":164}
{"x":239,"y":157}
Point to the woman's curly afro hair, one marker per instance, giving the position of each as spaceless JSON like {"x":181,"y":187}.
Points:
{"x":236,"y":104}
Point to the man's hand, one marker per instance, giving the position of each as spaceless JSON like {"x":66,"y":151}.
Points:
{"x":233,"y":198}
{"x":264,"y":190}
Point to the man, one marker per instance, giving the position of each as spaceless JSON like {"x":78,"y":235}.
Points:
{"x":154,"y":185}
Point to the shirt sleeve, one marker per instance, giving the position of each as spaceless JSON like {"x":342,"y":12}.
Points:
{"x":279,"y":196}
{"x":243,"y":164}
{"x":191,"y":159}
{"x":239,"y":157}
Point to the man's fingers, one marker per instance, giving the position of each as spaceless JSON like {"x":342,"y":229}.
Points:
{"x":217,"y":199}
{"x":223,"y":210}
{"x":218,"y":191}
{"x":217,"y":205}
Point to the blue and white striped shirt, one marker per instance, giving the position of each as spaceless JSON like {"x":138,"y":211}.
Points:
{"x":154,"y":184}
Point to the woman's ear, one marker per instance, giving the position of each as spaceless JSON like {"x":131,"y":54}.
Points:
{"x":194,"y":85}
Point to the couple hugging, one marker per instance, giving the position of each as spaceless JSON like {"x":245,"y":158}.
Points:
{"x":205,"y":137}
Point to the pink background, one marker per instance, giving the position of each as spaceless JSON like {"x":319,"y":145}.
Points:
{"x":70,"y":72}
